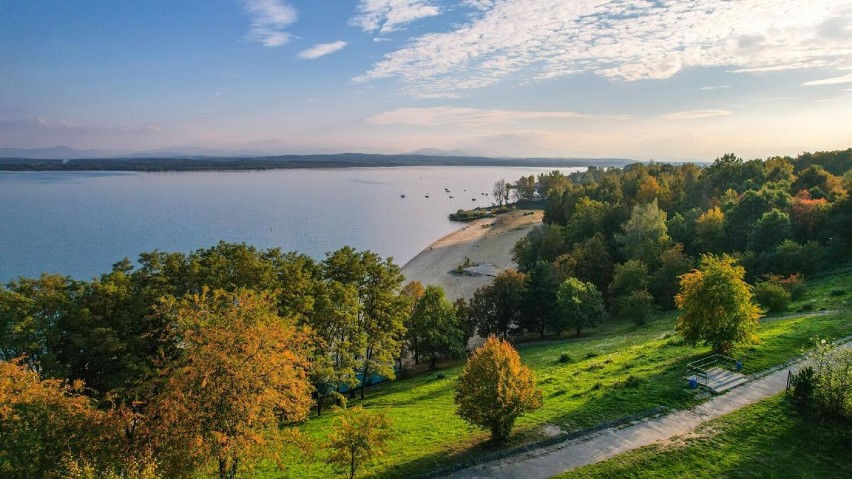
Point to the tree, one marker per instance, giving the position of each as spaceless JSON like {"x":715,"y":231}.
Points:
{"x":466,"y":318}
{"x":501,"y":192}
{"x":242,"y":371}
{"x":645,"y":235}
{"x":358,"y":437}
{"x":496,"y":307}
{"x":545,"y":242}
{"x":710,"y":231}
{"x":716,"y":305}
{"x":494,"y":389}
{"x":412,"y":291}
{"x":665,"y":282}
{"x":540,"y":298}
{"x":593,"y":262}
{"x":578,"y":305}
{"x":43,"y":421}
{"x":636,"y":306}
{"x":525,"y":188}
{"x":628,"y":277}
{"x":434,"y":319}
{"x":337,"y":339}
{"x":770,"y":231}
{"x":381,"y":310}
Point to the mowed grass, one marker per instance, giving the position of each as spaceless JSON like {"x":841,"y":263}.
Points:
{"x":617,"y":370}
{"x":766,"y":439}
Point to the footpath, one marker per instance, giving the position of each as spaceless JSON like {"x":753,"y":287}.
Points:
{"x":547,"y":462}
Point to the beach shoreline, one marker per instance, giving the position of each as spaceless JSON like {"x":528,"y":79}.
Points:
{"x":486,"y":242}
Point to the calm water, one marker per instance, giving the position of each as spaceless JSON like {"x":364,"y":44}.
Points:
{"x":79,"y":224}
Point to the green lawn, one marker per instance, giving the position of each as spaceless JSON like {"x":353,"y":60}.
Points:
{"x":767,"y":439}
{"x":592,"y":388}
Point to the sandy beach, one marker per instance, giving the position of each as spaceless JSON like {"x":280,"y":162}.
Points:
{"x":487,"y":242}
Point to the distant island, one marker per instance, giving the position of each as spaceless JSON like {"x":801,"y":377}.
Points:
{"x":342,"y":160}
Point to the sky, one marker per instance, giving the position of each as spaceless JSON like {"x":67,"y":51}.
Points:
{"x":641,"y":79}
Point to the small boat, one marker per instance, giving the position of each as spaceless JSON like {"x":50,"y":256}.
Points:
{"x":473,"y":199}
{"x":427,"y":195}
{"x":451,"y":196}
{"x":402,"y":195}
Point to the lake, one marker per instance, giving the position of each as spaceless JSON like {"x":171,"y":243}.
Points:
{"x":80,"y":223}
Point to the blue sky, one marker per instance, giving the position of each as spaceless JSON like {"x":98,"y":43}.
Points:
{"x":590,"y":78}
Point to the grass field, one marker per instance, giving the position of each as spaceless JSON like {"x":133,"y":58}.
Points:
{"x":617,"y":370}
{"x":767,"y":439}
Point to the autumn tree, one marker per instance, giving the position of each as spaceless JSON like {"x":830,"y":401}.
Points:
{"x":241,"y":372}
{"x":716,"y":305}
{"x":497,"y":307}
{"x":358,"y":437}
{"x":710,"y":231}
{"x":494,"y":389}
{"x":43,"y":422}
{"x":578,"y":305}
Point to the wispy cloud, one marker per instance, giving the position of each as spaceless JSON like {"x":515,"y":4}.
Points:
{"x":716,"y":87}
{"x":695,"y":114}
{"x":385,"y":16}
{"x":830,"y":81}
{"x":321,"y":50}
{"x":623,"y":40}
{"x":472,"y":117}
{"x":269,"y":19}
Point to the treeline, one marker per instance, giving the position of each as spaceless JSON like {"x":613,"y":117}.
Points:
{"x":627,"y":235}
{"x":193,"y":359}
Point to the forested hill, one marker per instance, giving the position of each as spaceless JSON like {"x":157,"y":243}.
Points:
{"x":345,"y":160}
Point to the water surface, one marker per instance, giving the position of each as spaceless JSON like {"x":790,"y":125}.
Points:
{"x":80,"y":223}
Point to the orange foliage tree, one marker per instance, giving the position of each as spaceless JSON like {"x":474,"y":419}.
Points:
{"x":240,"y":372}
{"x":495,"y":389}
{"x":44,"y":423}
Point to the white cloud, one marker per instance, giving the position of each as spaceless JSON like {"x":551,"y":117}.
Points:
{"x":386,"y":16}
{"x":830,"y":81}
{"x":623,"y":40}
{"x":695,"y":114}
{"x":269,"y":18}
{"x":321,"y":50}
{"x":473,"y":117}
{"x":715,"y":87}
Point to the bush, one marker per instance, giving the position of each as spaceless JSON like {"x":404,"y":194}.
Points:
{"x":794,"y":283}
{"x":837,"y":292}
{"x":565,"y":358}
{"x":832,"y":391}
{"x":440,"y":376}
{"x":803,"y":383}
{"x":772,"y":296}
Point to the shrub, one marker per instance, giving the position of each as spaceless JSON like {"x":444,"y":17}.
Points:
{"x":565,"y":358}
{"x":793,"y":284}
{"x":832,"y":382}
{"x":440,"y":376}
{"x":772,"y":296}
{"x":591,"y":354}
{"x":837,"y":292}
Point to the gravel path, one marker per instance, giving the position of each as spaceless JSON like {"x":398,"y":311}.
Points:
{"x":600,"y":446}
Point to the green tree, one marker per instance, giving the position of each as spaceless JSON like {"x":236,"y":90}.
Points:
{"x":540,"y":298}
{"x":636,"y":306}
{"x":497,"y":307}
{"x":645,"y":235}
{"x":439,"y":329}
{"x":524,"y":188}
{"x":592,"y":261}
{"x":578,"y":305}
{"x":628,"y":277}
{"x":770,"y":231}
{"x":665,"y":282}
{"x":716,"y":305}
{"x":381,"y":311}
{"x":710,"y":231}
{"x":494,"y":389}
{"x":358,"y":437}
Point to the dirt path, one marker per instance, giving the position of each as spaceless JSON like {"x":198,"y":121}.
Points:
{"x":597,"y":447}
{"x":488,"y":241}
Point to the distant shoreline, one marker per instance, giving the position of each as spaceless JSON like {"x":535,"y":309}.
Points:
{"x":291,"y":162}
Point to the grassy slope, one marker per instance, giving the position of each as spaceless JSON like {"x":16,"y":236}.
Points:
{"x":767,"y":439}
{"x":589,"y":389}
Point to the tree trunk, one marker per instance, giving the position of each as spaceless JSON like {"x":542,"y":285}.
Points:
{"x":434,"y":362}
{"x":364,"y":380}
{"x":416,"y":356}
{"x":578,"y":330}
{"x":319,"y":404}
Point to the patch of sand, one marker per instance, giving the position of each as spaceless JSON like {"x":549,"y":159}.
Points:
{"x":488,"y":241}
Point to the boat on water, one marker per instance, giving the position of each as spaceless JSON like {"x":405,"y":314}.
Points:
{"x":402,"y":195}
